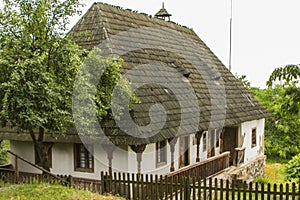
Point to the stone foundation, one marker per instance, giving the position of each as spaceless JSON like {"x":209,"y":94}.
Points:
{"x":247,"y":171}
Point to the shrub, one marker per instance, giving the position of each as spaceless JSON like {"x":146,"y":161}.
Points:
{"x":293,"y":169}
{"x":4,"y":146}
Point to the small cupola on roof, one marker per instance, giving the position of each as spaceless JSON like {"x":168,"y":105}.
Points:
{"x":163,"y":13}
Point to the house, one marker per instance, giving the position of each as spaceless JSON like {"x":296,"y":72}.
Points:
{"x":192,"y":108}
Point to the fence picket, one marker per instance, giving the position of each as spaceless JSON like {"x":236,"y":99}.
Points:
{"x":142,"y":186}
{"x":156,"y":186}
{"x":133,"y":187}
{"x":187,"y":188}
{"x":221,"y":188}
{"x":244,"y":191}
{"x":204,"y":189}
{"x":128,"y":187}
{"x":269,"y":192}
{"x":176,"y":187}
{"x":250,"y":191}
{"x":181,"y":187}
{"x":293,"y":191}
{"x":281,"y":192}
{"x":199,"y":188}
{"x":287,"y":191}
{"x":256,"y":191}
{"x":274,"y":191}
{"x":262,"y":191}
{"x":146,"y":186}
{"x":194,"y":188}
{"x":233,"y":189}
{"x":161,"y":189}
{"x":210,"y":188}
{"x":166,"y":190}
{"x":216,"y":189}
{"x":137,"y":186}
{"x":238,"y":192}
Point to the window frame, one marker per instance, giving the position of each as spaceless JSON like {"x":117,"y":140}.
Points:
{"x":158,"y":149}
{"x":253,"y":139}
{"x":87,"y":154}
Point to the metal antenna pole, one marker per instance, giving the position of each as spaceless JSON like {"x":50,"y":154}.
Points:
{"x":230,"y":37}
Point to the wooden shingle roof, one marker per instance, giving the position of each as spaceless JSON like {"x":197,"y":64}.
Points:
{"x":221,"y":99}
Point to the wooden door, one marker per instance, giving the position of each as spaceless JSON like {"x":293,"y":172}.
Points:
{"x":230,"y":142}
{"x":184,"y":151}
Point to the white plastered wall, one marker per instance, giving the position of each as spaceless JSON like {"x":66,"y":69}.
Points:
{"x":26,"y":151}
{"x":246,"y":130}
{"x":63,"y":159}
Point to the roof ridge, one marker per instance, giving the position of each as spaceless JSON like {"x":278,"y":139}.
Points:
{"x":144,"y":14}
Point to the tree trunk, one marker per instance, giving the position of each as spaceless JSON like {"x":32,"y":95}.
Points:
{"x":40,"y":150}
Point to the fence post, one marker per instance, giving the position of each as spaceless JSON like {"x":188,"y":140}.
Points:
{"x":71,"y":181}
{"x":16,"y":170}
{"x":188,"y":188}
{"x":102,"y":183}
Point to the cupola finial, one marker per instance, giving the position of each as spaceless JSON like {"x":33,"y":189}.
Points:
{"x":163,"y":13}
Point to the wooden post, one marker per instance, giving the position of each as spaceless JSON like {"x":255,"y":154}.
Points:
{"x":198,"y":138}
{"x":138,"y":149}
{"x":16,"y":170}
{"x":109,"y":149}
{"x":172,"y":143}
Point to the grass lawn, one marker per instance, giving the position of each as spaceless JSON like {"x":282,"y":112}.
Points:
{"x":46,"y":191}
{"x":274,"y":171}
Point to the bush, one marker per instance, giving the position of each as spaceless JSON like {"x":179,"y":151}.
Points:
{"x":4,"y":146}
{"x":293,"y":169}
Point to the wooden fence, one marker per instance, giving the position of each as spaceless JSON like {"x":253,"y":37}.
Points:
{"x":10,"y":176}
{"x":153,"y":187}
{"x":139,"y":186}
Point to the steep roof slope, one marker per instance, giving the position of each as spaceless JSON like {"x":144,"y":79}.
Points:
{"x":166,"y":52}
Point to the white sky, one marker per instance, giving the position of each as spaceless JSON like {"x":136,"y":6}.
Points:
{"x":266,"y":33}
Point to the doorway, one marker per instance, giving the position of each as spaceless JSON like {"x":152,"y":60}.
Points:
{"x":230,"y":142}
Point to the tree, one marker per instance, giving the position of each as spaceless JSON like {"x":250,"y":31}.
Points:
{"x":289,"y":74}
{"x":38,"y":64}
{"x":243,"y":80}
{"x":282,"y":100}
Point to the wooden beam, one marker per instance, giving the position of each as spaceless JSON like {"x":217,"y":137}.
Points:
{"x":16,"y":170}
{"x":138,"y":149}
{"x":172,"y":143}
{"x":109,"y":149}
{"x":198,"y":138}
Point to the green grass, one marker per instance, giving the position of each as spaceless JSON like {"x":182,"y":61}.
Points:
{"x":278,"y":160}
{"x":46,"y":191}
{"x":273,"y":173}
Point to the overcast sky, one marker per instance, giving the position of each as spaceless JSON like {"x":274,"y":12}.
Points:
{"x":266,"y":33}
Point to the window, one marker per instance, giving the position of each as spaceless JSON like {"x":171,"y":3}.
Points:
{"x":83,"y":158}
{"x":161,"y":153}
{"x":48,"y":154}
{"x":253,"y":136}
{"x":204,"y":141}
